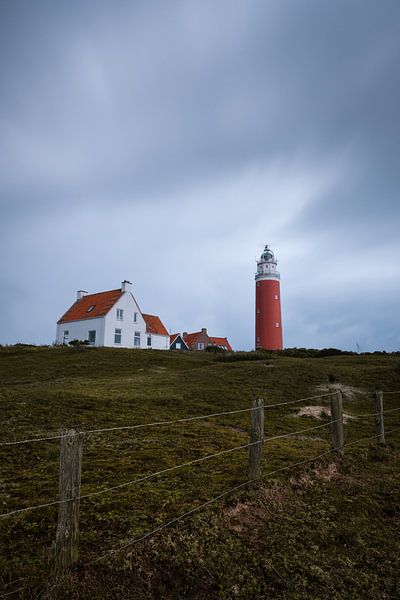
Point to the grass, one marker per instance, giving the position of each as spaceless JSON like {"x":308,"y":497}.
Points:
{"x":322,"y":530}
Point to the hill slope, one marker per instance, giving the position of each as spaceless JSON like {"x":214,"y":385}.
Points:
{"x":317,"y":530}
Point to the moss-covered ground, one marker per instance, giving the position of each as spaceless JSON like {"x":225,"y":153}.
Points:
{"x":324,"y":529}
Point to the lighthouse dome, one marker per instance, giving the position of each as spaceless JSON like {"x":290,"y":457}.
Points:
{"x":268,"y":255}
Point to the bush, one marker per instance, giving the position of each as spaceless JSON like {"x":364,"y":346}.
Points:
{"x":215,"y":350}
{"x":79,"y":343}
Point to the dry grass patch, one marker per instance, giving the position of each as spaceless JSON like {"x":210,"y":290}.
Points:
{"x":348,"y":391}
{"x":318,"y":412}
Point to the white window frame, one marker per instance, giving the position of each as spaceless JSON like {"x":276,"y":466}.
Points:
{"x":120,"y":314}
{"x":277,"y":324}
{"x":200,"y":345}
{"x":136,"y":339}
{"x":149,"y":341}
{"x":118,"y":334}
{"x":65,"y":337}
{"x":94,"y":340}
{"x":135,"y":317}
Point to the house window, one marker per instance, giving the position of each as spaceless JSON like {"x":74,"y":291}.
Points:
{"x":136,"y":339}
{"x":200,"y":346}
{"x":92,"y":336}
{"x":120,"y":314}
{"x":276,"y":297}
{"x":149,"y":340}
{"x":65,"y":337}
{"x":178,"y":346}
{"x":135,"y":317}
{"x":277,"y":324}
{"x":117,"y":336}
{"x":91,"y":307}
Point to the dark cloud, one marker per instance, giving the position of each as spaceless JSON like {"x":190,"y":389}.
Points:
{"x":166,"y":142}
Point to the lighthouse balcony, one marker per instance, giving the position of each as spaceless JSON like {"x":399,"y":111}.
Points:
{"x":273,"y":274}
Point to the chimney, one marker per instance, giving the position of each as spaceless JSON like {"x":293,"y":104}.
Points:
{"x":204,"y":330}
{"x":126,"y":286}
{"x":80,"y":294}
{"x":184,"y":334}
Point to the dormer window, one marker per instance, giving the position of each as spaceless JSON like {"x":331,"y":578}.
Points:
{"x":91,"y":307}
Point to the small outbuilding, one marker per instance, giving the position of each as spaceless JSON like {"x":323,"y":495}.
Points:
{"x":200,"y":340}
{"x":176,"y":342}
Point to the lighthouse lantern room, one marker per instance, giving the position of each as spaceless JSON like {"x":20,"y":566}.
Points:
{"x":268,"y":303}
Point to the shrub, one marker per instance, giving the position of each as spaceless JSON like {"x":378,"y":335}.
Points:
{"x":79,"y":343}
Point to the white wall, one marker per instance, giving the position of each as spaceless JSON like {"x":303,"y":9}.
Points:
{"x":79,"y":330}
{"x":158,"y":342}
{"x":128,"y":304}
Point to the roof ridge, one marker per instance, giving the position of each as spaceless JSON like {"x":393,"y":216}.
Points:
{"x":97,"y":293}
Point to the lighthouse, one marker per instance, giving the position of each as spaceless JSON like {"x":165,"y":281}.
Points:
{"x":268,"y":303}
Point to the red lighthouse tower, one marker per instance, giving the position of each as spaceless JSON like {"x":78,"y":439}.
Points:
{"x":268,"y":303}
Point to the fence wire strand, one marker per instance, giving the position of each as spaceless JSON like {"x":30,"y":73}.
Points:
{"x":128,"y":483}
{"x":299,"y":400}
{"x":126,"y":427}
{"x":156,"y":423}
{"x":176,"y":519}
{"x":390,"y":410}
{"x":12,"y":592}
{"x":371,"y":437}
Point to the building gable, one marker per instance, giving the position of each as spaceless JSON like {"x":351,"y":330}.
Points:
{"x":176,"y":342}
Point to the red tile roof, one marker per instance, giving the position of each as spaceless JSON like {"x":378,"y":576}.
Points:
{"x":218,"y":341}
{"x":102,"y":303}
{"x":154,"y":325}
{"x":191,"y":338}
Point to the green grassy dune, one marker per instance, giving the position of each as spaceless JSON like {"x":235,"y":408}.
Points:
{"x":325,"y":529}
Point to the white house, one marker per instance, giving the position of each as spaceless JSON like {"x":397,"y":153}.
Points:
{"x":113,"y":319}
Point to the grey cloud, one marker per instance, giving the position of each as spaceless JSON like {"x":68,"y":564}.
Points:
{"x":196,"y":132}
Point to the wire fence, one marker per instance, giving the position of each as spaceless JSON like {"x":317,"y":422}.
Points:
{"x":71,"y":454}
{"x":163,"y":471}
{"x":224,"y":494}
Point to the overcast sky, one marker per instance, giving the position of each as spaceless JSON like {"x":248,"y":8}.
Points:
{"x":167,"y":142}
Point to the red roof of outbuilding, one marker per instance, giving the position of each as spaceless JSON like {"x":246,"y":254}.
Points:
{"x":191,"y":338}
{"x":218,"y":341}
{"x":154,"y":325}
{"x":102,"y":302}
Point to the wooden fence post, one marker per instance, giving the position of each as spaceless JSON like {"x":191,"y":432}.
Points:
{"x":337,"y":422}
{"x":256,"y":435}
{"x":67,"y":536}
{"x":379,"y":425}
